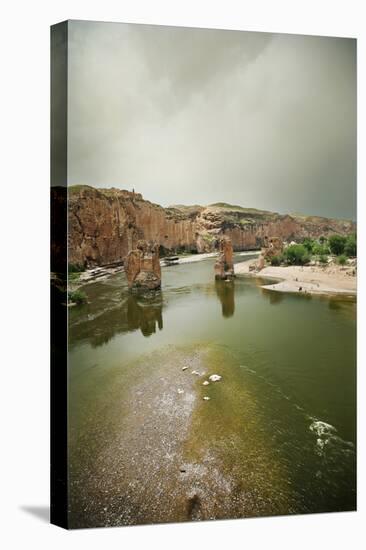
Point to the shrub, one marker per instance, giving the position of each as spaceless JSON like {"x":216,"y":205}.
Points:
{"x":296,"y":254}
{"x":77,"y":296}
{"x":350,"y":248}
{"x":74,"y":276}
{"x":337,"y":244}
{"x":76,"y":268}
{"x":342,"y":259}
{"x":309,"y":244}
{"x":320,"y":250}
{"x":323,"y":259}
{"x":276,"y":260}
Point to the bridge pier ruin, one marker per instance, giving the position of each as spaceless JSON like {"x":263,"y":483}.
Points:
{"x":224,"y":266}
{"x":142,"y":267}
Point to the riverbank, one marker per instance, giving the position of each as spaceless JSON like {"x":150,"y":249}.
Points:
{"x":331,"y":279}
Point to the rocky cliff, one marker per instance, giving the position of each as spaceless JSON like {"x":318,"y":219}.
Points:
{"x":105,"y":224}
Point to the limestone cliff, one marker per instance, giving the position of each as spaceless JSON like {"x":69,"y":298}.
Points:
{"x":105,"y":224}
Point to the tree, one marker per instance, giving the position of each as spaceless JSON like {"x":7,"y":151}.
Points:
{"x":350,"y":248}
{"x":337,"y":244}
{"x":296,"y":254}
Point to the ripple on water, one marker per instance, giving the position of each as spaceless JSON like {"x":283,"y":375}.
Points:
{"x":326,"y":437}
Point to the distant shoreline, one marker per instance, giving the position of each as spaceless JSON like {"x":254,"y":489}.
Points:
{"x":330,"y":280}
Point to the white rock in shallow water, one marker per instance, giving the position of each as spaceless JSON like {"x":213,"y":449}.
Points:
{"x":184,"y":368}
{"x":180,"y":390}
{"x":205,"y":383}
{"x":215,"y":377}
{"x":206,"y":398}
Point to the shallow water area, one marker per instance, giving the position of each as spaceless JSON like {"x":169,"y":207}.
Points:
{"x":277,"y":434}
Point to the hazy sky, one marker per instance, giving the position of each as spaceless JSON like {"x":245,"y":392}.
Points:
{"x":196,"y":116}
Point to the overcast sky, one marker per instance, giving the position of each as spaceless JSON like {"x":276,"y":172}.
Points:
{"x":192,"y":116}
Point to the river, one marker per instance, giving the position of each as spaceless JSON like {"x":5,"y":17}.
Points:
{"x":277,"y":434}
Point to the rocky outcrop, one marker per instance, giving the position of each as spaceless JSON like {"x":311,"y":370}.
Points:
{"x":224,"y":266}
{"x":106,"y":224}
{"x":142,"y":267}
{"x":273,"y":246}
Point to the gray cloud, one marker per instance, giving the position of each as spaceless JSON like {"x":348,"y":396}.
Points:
{"x":201,"y":116}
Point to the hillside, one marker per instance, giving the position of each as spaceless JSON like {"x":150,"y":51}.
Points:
{"x":104,"y":224}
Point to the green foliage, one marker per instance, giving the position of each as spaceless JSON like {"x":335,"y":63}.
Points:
{"x":77,"y":296}
{"x":320,"y":250}
{"x":296,"y":254}
{"x":76,"y":268}
{"x":276,"y":260}
{"x":309,"y":244}
{"x":73,"y":277}
{"x":342,"y":259}
{"x":323,"y":259}
{"x":337,"y":244}
{"x":350,"y":248}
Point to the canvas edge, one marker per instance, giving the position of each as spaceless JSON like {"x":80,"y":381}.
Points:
{"x":58,"y":260}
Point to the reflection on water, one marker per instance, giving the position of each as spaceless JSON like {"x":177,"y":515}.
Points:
{"x":225,"y":292}
{"x":99,"y":323}
{"x":273,"y":296}
{"x":145,"y":313}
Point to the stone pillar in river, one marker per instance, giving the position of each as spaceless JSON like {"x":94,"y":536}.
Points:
{"x":142,"y":267}
{"x":224,"y":266}
{"x":273,"y":246}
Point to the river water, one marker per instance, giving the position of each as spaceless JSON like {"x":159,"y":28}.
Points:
{"x":277,"y":434}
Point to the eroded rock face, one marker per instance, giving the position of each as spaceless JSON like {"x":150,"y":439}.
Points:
{"x":106,"y":224}
{"x":273,"y":246}
{"x":224,"y":266}
{"x":142,"y":267}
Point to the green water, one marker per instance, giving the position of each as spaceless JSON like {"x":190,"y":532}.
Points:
{"x":278,"y":435}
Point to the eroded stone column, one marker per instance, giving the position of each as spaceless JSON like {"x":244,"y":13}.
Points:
{"x":142,"y":267}
{"x":224,"y":266}
{"x":273,"y":246}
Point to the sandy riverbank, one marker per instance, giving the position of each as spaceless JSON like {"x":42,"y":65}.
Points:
{"x":332,"y":279}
